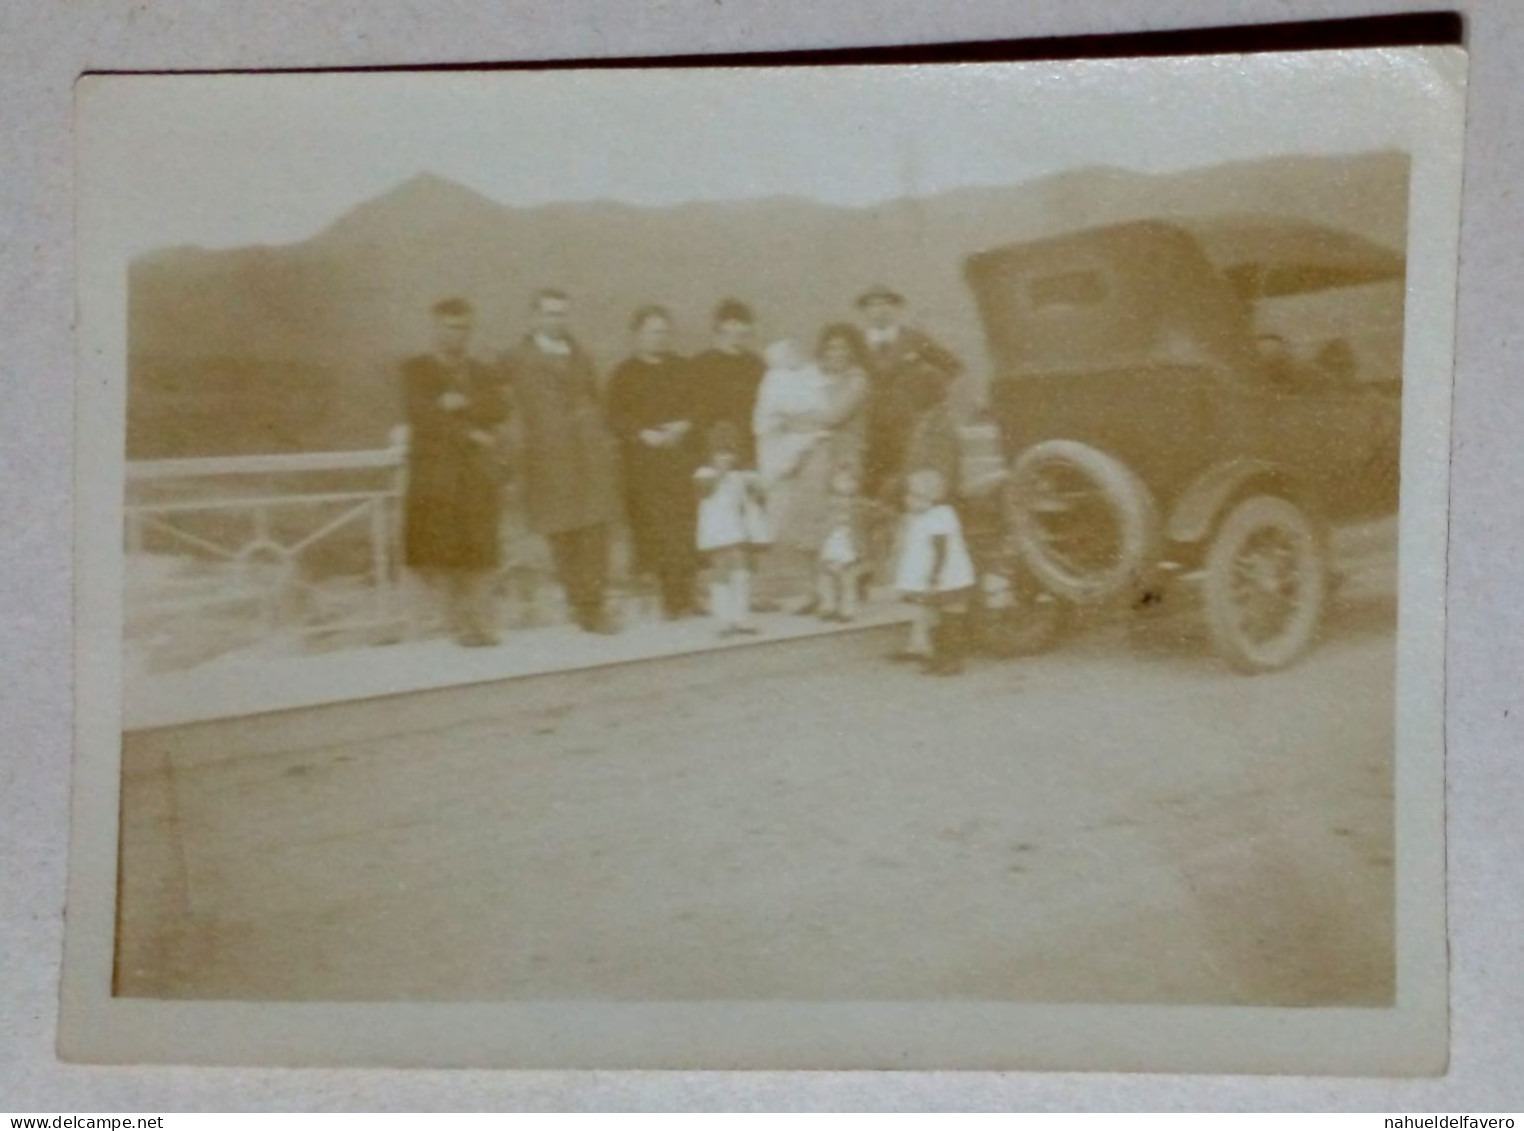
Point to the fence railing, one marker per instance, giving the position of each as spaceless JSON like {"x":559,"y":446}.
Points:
{"x":235,"y":550}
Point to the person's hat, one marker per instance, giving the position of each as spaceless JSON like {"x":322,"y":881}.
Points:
{"x":880,"y":293}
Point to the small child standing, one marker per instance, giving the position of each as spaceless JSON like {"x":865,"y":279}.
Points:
{"x":843,"y":559}
{"x":732,"y":529}
{"x":936,"y":572}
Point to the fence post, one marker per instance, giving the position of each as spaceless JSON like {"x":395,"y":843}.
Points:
{"x":403,"y":590}
{"x":380,"y":559}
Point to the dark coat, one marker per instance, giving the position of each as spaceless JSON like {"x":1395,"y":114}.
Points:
{"x":898,"y":375}
{"x":935,"y":445}
{"x":658,"y":481}
{"x":566,"y":457}
{"x":453,"y":498}
{"x":725,"y":390}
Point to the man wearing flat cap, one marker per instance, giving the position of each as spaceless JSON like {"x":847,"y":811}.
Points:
{"x":906,"y":367}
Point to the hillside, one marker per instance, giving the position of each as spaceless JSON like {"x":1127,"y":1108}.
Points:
{"x":291,"y":347}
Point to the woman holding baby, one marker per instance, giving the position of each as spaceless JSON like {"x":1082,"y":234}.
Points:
{"x":808,"y":425}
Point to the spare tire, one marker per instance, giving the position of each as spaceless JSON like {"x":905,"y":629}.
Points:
{"x":1087,"y":527}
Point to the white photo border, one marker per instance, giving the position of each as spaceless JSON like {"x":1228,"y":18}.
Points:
{"x":1408,"y":1039}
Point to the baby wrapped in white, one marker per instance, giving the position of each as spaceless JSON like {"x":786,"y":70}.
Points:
{"x":793,"y":404}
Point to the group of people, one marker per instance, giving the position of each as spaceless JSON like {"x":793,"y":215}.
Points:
{"x":793,"y":479}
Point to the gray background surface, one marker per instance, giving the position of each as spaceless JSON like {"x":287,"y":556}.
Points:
{"x":43,"y":48}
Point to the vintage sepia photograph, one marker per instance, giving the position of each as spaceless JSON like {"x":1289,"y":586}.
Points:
{"x":898,"y":566}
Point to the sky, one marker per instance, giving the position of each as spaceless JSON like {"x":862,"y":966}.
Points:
{"x":222,"y":161}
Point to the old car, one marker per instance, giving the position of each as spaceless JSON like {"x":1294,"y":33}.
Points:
{"x":1195,"y":401}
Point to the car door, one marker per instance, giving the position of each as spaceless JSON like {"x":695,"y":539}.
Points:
{"x":1338,"y":438}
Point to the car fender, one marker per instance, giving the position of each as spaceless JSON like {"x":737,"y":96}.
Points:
{"x":1198,"y":507}
{"x":983,"y":486}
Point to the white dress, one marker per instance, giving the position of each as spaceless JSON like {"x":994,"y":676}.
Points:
{"x":918,"y":555}
{"x":731,"y":514}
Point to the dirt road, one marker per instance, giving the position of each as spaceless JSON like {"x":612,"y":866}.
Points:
{"x":801,"y":820}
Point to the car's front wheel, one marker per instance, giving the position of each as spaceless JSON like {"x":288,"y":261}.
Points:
{"x":1265,"y":584}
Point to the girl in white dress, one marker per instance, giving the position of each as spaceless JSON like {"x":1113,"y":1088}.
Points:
{"x":936,"y":572}
{"x":732,"y":529}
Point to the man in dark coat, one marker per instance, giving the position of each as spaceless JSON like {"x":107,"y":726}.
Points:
{"x":901,"y":361}
{"x":451,"y":510}
{"x":567,"y":457}
{"x":934,"y":443}
{"x":725,"y":378}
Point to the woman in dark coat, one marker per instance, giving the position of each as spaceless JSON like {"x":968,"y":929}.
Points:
{"x":650,"y":408}
{"x":726,"y":378}
{"x":453,"y":501}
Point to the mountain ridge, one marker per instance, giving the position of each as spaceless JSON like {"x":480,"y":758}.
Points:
{"x":344,"y":304}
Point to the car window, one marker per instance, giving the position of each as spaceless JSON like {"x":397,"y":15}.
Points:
{"x":1069,"y":288}
{"x":1345,"y":336}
